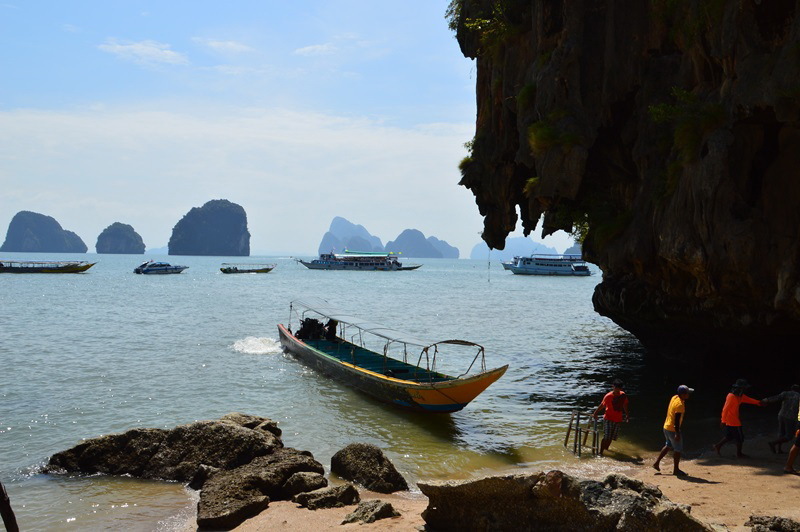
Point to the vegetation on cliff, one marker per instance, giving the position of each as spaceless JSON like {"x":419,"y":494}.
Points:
{"x":34,"y":232}
{"x":664,"y":135}
{"x":218,"y":228}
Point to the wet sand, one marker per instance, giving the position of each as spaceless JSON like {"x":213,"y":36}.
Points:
{"x":722,"y":490}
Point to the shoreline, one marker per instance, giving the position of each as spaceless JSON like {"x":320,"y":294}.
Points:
{"x":722,"y":491}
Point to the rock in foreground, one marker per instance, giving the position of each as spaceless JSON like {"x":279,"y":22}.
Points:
{"x":367,"y":465}
{"x":238,"y":462}
{"x":554,"y":501}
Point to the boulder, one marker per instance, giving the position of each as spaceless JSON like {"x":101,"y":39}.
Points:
{"x":218,"y":228}
{"x":174,"y":454}
{"x":769,"y":523}
{"x":334,"y":497}
{"x":366,"y":464}
{"x":238,"y":462}
{"x":371,"y":511}
{"x":302,"y":482}
{"x":554,"y":501}
{"x":119,"y":238}
{"x":34,"y":232}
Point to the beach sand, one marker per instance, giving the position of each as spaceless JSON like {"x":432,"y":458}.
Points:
{"x":721,"y":490}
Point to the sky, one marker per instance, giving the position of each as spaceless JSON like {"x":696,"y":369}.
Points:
{"x":300,"y":111}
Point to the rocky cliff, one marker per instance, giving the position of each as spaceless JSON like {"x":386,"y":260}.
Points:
{"x":119,"y":238}
{"x":665,"y":134}
{"x":34,"y":232}
{"x":218,"y":228}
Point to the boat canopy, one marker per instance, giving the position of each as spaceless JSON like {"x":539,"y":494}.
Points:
{"x":323,"y":308}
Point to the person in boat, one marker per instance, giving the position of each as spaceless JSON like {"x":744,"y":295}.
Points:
{"x":787,"y":416}
{"x":730,"y":423}
{"x":676,"y":411}
{"x":330,"y":329}
{"x":615,"y":410}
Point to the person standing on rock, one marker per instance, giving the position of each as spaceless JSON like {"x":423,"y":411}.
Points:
{"x":787,"y":416}
{"x":676,"y":411}
{"x":731,"y":424}
{"x":615,"y":404}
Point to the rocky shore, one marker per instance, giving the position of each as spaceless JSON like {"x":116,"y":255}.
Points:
{"x":248,"y":480}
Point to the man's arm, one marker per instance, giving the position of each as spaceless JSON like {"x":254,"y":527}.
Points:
{"x":750,"y":400}
{"x":625,"y":408}
{"x":598,"y":410}
{"x":677,"y":423}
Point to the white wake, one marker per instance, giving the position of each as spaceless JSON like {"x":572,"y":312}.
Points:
{"x":257,"y":346}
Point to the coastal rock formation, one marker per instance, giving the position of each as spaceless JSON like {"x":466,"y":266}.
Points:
{"x":34,"y":232}
{"x":768,"y":523}
{"x":119,"y":238}
{"x":447,"y":251}
{"x":344,"y":234}
{"x":667,"y":136}
{"x":554,"y":501}
{"x":366,"y":464}
{"x":412,"y":243}
{"x":238,"y":462}
{"x":218,"y":228}
{"x":371,"y":511}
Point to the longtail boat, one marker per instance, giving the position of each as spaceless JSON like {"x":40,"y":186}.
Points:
{"x":343,"y":348}
{"x":230,"y":267}
{"x":41,"y":266}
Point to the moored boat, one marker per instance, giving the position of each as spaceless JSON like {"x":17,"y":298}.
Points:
{"x":389,"y":365}
{"x":544,"y":264}
{"x":152,"y":267}
{"x":44,"y":266}
{"x":228,"y":267}
{"x":358,"y":260}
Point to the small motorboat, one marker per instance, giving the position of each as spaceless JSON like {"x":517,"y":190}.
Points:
{"x":152,"y":267}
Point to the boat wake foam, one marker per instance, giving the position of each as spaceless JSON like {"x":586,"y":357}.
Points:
{"x":257,"y":346}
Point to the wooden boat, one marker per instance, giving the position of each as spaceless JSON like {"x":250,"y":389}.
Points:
{"x":228,"y":267}
{"x":32,"y":266}
{"x":152,"y":267}
{"x":358,"y":260}
{"x":405,"y":380}
{"x":545,"y":264}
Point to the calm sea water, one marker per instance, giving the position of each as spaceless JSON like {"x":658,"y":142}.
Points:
{"x":108,"y":350}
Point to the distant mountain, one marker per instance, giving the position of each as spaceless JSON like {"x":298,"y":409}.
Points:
{"x":575,"y":249}
{"x":218,"y":228}
{"x":157,"y":251}
{"x":34,"y":232}
{"x":346,"y":235}
{"x":119,"y":238}
{"x":447,"y":251}
{"x":514,"y":246}
{"x":412,"y":243}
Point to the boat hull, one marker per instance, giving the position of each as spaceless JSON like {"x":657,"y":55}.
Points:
{"x":442,"y":397}
{"x":235,"y":270}
{"x":528,"y":271}
{"x":160,"y":271}
{"x":313,"y":265}
{"x":66,"y":268}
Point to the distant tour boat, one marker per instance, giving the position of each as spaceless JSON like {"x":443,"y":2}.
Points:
{"x":542,"y":264}
{"x":228,"y":267}
{"x":358,"y":260}
{"x":158,"y":268}
{"x":49,"y":266}
{"x":389,"y":365}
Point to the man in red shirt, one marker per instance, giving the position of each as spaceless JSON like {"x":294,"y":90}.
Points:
{"x":731,"y":424}
{"x":615,"y":404}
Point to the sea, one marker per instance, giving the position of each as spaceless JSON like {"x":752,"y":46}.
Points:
{"x":108,"y":350}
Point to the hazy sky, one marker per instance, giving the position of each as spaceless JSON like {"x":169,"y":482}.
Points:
{"x":299,"y":111}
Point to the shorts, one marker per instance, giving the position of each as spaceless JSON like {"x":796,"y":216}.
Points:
{"x":733,"y":433}
{"x":672,"y":443}
{"x":610,"y":429}
{"x":786,"y":428}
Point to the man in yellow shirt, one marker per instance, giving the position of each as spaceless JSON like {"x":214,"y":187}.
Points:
{"x":672,"y":429}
